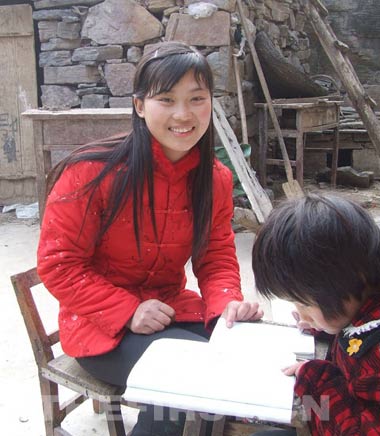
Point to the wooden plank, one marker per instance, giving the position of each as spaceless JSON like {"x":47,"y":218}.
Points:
{"x":317,"y":149}
{"x":18,"y":90}
{"x":317,"y":117}
{"x":302,"y":105}
{"x":292,"y":133}
{"x":15,"y":21}
{"x":361,"y":131}
{"x":68,"y":368}
{"x":10,"y":134}
{"x":290,"y":103}
{"x":286,"y":133}
{"x":260,"y":202}
{"x":326,"y":98}
{"x":41,"y":167}
{"x":80,"y":131}
{"x":271,"y":161}
{"x":19,"y":177}
{"x":80,"y":114}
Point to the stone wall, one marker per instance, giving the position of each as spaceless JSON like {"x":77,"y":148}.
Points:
{"x":89,"y":48}
{"x":357,"y":23}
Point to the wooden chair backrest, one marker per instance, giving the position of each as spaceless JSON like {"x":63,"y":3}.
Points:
{"x":41,"y":341}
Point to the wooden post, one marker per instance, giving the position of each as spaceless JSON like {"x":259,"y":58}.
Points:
{"x":335,"y":152}
{"x":243,"y":116}
{"x":263,"y":145}
{"x":345,"y":71}
{"x":194,"y":424}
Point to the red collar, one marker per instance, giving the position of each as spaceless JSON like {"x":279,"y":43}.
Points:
{"x":174,"y":170}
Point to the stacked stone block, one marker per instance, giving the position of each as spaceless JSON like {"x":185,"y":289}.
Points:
{"x":89,"y":48}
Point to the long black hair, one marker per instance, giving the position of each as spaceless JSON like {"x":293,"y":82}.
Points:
{"x":157,"y":72}
{"x":318,"y":250}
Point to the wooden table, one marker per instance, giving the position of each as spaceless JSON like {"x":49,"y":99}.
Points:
{"x":298,"y":117}
{"x":59,"y":132}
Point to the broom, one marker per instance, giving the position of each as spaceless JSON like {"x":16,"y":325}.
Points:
{"x":291,"y":188}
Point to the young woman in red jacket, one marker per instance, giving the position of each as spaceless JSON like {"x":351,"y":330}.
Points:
{"x":323,"y":254}
{"x":123,"y":218}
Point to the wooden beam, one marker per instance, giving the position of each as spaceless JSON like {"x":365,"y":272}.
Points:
{"x":243,"y":116}
{"x":345,"y":71}
{"x":260,"y":202}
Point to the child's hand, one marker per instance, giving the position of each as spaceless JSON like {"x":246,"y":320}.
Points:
{"x":293,"y":369}
{"x":241,"y":311}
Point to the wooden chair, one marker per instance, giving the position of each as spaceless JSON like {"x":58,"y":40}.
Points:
{"x":63,"y":370}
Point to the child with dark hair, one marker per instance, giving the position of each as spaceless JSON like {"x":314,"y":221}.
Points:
{"x":323,"y":254}
{"x":123,"y":218}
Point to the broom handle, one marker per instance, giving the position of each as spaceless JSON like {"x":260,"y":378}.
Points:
{"x":268,"y":99}
{"x":240,"y":101}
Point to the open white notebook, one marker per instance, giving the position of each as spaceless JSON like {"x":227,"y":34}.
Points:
{"x":237,"y":373}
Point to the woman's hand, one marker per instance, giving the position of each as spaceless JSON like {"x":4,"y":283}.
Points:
{"x":294,"y":369}
{"x":241,"y":311}
{"x":151,"y":316}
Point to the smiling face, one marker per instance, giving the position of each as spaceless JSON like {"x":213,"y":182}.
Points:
{"x":179,"y":117}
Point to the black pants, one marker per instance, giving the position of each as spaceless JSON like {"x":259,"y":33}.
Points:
{"x":114,"y":367}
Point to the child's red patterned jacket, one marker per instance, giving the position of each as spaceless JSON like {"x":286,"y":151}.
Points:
{"x":346,"y":390}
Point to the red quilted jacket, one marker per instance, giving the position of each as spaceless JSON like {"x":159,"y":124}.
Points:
{"x":99,"y":286}
{"x":342,"y":396}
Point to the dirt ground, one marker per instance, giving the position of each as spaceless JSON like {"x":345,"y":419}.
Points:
{"x":20,"y":403}
{"x":367,"y":198}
